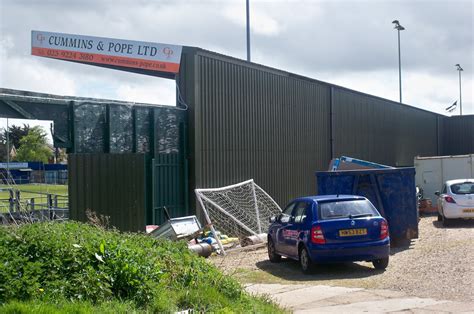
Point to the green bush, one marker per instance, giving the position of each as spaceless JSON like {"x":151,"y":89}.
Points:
{"x":59,"y":263}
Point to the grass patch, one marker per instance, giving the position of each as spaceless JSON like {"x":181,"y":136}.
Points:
{"x":74,"y":267}
{"x":42,"y":307}
{"x":255,"y":276}
{"x":38,"y":188}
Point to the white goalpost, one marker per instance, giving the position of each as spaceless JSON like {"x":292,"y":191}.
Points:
{"x":238,"y":210}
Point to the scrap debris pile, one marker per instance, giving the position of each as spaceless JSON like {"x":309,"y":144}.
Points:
{"x":200,"y":240}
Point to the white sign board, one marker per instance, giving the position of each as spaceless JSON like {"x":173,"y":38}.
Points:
{"x":13,"y":165}
{"x":99,"y":50}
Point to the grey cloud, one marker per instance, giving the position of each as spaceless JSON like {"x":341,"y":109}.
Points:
{"x":359,"y":36}
{"x":313,"y":36}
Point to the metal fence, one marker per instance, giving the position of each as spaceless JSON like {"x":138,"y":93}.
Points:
{"x":32,"y":206}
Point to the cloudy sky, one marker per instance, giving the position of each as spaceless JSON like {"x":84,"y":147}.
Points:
{"x":348,"y":43}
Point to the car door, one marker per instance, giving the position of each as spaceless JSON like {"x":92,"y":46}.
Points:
{"x":281,"y":229}
{"x":296,"y":226}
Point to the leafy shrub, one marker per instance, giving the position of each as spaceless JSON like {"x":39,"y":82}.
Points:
{"x":58,"y":262}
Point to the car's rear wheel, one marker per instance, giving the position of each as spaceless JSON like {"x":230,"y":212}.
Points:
{"x":305,"y":261}
{"x":272,"y":255}
{"x":381,"y":263}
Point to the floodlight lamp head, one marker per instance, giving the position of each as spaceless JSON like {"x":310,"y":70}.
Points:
{"x":459,"y":67}
{"x":398,"y":26}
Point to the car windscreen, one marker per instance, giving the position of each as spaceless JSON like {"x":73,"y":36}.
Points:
{"x":463,"y":188}
{"x":346,"y":209}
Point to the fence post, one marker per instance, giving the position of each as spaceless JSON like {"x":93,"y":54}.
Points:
{"x":17,"y":201}
{"x":49,"y":202}
{"x":32,"y":203}
{"x":11,"y":200}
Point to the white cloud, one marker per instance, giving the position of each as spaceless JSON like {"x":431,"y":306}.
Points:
{"x":419,"y":89}
{"x":261,"y":22}
{"x":26,"y":73}
{"x":349,"y":43}
{"x":157,"y":91}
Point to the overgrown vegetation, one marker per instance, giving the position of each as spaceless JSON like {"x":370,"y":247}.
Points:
{"x":72,"y":266}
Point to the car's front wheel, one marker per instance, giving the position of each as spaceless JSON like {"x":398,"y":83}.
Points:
{"x":381,"y":263}
{"x":305,"y":261}
{"x":272,"y":255}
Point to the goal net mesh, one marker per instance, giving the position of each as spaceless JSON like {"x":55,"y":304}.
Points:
{"x":238,"y":210}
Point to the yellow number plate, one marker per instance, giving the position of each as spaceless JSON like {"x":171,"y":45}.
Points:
{"x":468,"y":210}
{"x":352,"y":232}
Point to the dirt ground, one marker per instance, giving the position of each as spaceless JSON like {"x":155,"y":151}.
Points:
{"x":440,"y":264}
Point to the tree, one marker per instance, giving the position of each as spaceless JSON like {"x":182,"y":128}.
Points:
{"x":3,"y":145}
{"x":33,"y":146}
{"x":16,"y":133}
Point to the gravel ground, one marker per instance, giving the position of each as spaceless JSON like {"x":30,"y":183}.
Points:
{"x":440,"y":264}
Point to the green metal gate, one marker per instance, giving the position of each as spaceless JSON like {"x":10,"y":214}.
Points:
{"x":169,"y":187}
{"x":169,"y":166}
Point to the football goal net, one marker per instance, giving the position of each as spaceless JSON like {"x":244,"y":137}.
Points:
{"x":238,"y":210}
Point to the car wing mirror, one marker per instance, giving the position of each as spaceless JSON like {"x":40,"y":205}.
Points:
{"x":437,"y":193}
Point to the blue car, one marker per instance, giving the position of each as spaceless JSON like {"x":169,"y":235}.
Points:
{"x":327,"y":229}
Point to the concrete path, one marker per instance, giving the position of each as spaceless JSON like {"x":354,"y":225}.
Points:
{"x":327,"y":299}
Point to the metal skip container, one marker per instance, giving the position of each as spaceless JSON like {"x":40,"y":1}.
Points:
{"x":392,"y":191}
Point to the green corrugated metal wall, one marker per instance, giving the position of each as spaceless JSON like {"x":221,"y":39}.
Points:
{"x":458,"y":135}
{"x":381,"y":130}
{"x":157,"y":132}
{"x":111,"y":185}
{"x":250,"y":121}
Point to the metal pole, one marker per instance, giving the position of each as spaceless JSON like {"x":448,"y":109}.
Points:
{"x":259,"y":226}
{"x":8,"y":154}
{"x":399,"y":67}
{"x":460,"y":98}
{"x":248,"y":31}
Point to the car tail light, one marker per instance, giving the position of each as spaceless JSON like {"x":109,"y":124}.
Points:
{"x":383,"y":230}
{"x":317,"y":236}
{"x":449,"y":199}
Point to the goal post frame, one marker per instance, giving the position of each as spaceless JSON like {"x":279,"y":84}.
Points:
{"x":209,"y":204}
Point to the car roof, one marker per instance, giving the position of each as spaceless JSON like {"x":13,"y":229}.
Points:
{"x":332,"y":197}
{"x":451,"y":182}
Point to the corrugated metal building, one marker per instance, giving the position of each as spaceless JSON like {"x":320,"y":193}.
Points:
{"x":380,"y":130}
{"x":251,"y":121}
{"x":458,"y":135}
{"x":243,"y":121}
